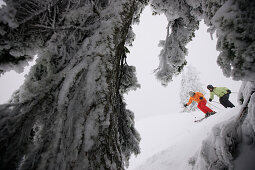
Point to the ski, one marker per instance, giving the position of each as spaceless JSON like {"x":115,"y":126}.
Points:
{"x":199,"y":120}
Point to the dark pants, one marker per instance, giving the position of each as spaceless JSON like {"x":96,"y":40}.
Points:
{"x":225,"y":102}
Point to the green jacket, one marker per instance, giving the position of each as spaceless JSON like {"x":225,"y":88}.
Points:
{"x":218,"y":91}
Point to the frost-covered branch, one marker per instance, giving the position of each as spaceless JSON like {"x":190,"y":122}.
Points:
{"x":232,"y":22}
{"x":222,"y":147}
{"x":183,"y":25}
{"x":172,"y":56}
{"x":72,"y":114}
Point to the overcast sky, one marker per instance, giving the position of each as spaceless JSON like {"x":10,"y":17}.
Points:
{"x":154,"y":99}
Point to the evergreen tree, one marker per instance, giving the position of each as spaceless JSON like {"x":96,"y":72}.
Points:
{"x":190,"y":82}
{"x":232,"y":20}
{"x":69,"y":113}
{"x":234,"y":24}
{"x":180,"y":30}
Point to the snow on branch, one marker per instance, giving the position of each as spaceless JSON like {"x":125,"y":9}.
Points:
{"x":180,"y":30}
{"x":172,"y":56}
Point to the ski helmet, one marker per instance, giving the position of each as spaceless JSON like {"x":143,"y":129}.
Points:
{"x":191,"y":93}
{"x":209,"y":86}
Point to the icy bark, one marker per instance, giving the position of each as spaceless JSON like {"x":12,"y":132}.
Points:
{"x":247,"y":98}
{"x":69,"y":113}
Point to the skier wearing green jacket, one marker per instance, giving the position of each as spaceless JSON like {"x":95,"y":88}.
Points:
{"x":222,"y":93}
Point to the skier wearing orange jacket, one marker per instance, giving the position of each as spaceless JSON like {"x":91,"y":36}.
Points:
{"x":199,"y":98}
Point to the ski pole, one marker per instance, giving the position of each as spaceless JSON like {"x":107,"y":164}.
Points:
{"x":216,"y":102}
{"x":214,"y":106}
{"x":210,"y":106}
{"x":193,"y":115}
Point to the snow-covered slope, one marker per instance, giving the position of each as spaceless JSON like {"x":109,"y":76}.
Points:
{"x":172,"y":141}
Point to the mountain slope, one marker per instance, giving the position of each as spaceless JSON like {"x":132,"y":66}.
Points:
{"x":172,"y":141}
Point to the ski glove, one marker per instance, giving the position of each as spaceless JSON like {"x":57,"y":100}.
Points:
{"x":228,"y":91}
{"x":200,"y":98}
{"x":185,"y":105}
{"x":210,"y":100}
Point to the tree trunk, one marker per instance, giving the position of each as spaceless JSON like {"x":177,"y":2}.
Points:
{"x":69,"y":113}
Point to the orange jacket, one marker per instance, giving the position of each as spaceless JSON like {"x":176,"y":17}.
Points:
{"x":196,"y":98}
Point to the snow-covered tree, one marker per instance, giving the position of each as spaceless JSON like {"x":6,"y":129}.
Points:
{"x":231,"y":138}
{"x":180,"y":30}
{"x":69,"y":113}
{"x":190,"y":82}
{"x":233,"y":21}
{"x":234,"y":24}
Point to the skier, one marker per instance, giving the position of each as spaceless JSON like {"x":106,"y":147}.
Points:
{"x":199,"y":98}
{"x":222,"y":93}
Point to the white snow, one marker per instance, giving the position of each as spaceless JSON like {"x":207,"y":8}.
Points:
{"x":172,"y":141}
{"x":190,"y":82}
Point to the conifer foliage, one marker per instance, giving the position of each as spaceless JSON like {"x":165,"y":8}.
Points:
{"x":234,"y":24}
{"x":69,"y":113}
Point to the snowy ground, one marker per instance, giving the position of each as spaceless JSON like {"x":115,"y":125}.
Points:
{"x":170,"y":141}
